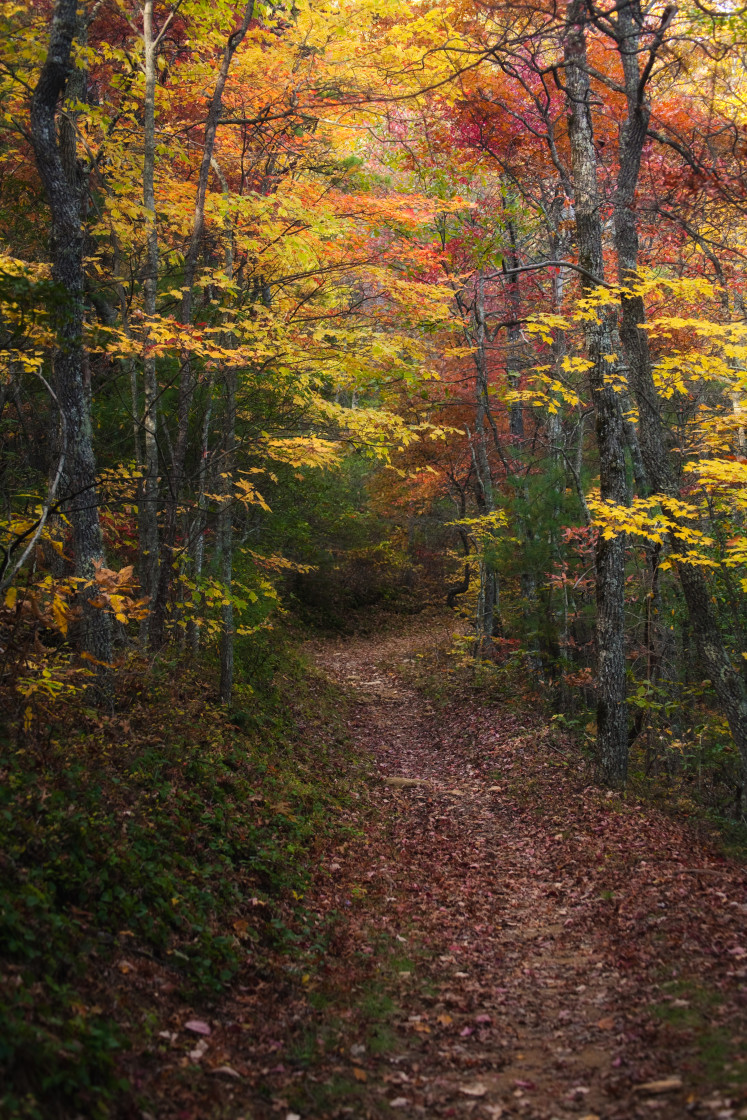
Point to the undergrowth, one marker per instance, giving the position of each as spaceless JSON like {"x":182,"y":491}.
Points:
{"x":696,"y":780}
{"x":171,"y":832}
{"x":692,"y":1011}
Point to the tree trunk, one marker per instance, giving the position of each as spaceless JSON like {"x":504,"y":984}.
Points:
{"x":64,"y":197}
{"x":198,"y":555}
{"x":612,"y":725}
{"x":226,"y":534}
{"x":148,"y":503}
{"x":513,"y":356}
{"x":487,"y":621}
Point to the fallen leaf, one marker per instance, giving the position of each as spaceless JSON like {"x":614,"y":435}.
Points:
{"x":197,"y":1026}
{"x":476,"y":1090}
{"x":404,"y":783}
{"x":606,"y":1024}
{"x":444,"y":1020}
{"x":666,"y":1085}
{"x":359,"y":1074}
{"x":227,"y":1070}
{"x":399,"y":1102}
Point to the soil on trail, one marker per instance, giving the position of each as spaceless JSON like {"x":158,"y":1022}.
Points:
{"x":562,"y":952}
{"x":509,"y":941}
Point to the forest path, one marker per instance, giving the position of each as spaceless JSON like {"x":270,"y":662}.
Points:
{"x":518,"y":944}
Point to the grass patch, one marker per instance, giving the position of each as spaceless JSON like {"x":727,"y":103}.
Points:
{"x":691,"y":1011}
{"x":171,"y":835}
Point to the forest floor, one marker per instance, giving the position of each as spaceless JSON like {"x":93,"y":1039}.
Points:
{"x":509,"y":941}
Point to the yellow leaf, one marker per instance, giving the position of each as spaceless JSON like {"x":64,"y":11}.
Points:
{"x":11,"y":596}
{"x":59,"y":613}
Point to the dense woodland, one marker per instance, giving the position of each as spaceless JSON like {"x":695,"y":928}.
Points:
{"x":315,"y":307}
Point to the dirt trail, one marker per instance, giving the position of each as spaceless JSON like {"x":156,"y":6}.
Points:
{"x":563,"y":952}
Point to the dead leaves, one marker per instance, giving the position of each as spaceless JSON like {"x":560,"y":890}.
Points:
{"x":476,"y":1090}
{"x":666,"y":1085}
{"x":404,"y":783}
{"x":516,"y":993}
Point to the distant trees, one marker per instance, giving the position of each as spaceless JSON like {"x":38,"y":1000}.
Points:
{"x":267,"y":231}
{"x":579,"y":114}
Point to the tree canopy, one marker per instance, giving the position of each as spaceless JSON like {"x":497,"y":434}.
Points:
{"x":395,"y":299}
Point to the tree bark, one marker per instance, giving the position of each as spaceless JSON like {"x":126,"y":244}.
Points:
{"x":513,"y":356}
{"x":612,"y":724}
{"x":148,"y":504}
{"x":487,"y":621}
{"x":226,"y":534}
{"x":65,"y":199}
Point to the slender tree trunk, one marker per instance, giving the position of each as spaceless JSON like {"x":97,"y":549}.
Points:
{"x":198,"y":556}
{"x":64,"y":197}
{"x":487,"y":622}
{"x":226,"y":533}
{"x":513,"y":357}
{"x":228,"y":636}
{"x":148,"y":504}
{"x":612,"y":724}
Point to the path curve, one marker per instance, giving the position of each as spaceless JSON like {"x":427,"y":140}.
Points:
{"x":561,"y":942}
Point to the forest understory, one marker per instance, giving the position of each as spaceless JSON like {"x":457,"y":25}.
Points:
{"x":501,"y":937}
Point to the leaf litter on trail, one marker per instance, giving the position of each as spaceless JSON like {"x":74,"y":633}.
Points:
{"x":519,"y":949}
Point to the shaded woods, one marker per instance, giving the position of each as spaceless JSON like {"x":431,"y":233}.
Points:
{"x":315,"y":319}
